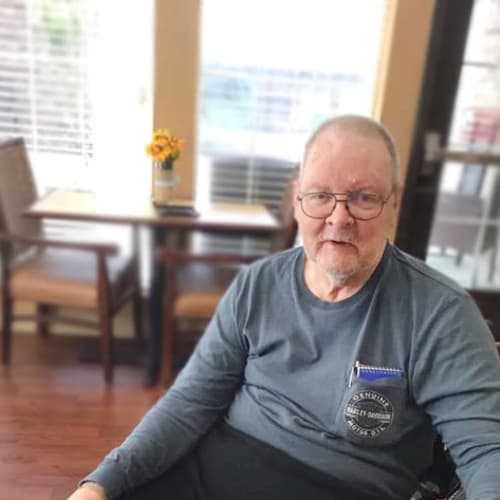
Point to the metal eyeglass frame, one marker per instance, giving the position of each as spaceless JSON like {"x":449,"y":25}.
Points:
{"x":345,"y":200}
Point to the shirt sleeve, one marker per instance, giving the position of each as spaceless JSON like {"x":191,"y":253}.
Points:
{"x":198,"y":399}
{"x":456,"y":378}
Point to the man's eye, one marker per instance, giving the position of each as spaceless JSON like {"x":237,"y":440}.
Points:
{"x":361,"y":197}
{"x":319,"y":197}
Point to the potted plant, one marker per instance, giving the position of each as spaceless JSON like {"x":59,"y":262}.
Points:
{"x":164,"y":149}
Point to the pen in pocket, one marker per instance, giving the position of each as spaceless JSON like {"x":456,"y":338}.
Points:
{"x":370,"y":372}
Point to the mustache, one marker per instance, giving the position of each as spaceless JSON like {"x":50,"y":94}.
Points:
{"x":342,"y":238}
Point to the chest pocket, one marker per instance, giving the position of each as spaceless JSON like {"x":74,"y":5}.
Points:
{"x":376,"y":412}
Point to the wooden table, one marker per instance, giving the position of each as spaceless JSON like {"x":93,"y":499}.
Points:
{"x":228,"y":218}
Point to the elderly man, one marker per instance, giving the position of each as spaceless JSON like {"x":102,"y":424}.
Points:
{"x":328,"y":369}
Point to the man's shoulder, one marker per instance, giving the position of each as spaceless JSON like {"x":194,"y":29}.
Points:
{"x":278,"y":263}
{"x":267,"y":273}
{"x":420,"y":273}
{"x":278,"y":259}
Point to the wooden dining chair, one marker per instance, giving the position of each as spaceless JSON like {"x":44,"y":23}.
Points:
{"x":196,"y":282}
{"x":58,"y":272}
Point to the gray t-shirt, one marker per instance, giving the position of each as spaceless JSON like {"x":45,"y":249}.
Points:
{"x":278,"y":363}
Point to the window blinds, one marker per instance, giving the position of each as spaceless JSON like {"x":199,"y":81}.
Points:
{"x":44,"y":88}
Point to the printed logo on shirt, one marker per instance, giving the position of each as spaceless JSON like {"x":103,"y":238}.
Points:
{"x":368,"y":414}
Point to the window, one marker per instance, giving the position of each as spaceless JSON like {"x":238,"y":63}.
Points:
{"x":77,"y":87}
{"x":67,"y":70}
{"x":270,"y":73}
{"x":44,"y":84}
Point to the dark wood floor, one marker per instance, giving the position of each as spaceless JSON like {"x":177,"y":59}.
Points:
{"x":58,"y":418}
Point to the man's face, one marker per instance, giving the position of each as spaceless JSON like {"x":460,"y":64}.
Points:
{"x":339,"y":244}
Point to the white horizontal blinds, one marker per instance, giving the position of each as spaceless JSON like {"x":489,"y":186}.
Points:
{"x":44,"y":81}
{"x":255,"y":179}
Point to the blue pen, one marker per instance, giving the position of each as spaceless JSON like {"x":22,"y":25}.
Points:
{"x":370,"y":372}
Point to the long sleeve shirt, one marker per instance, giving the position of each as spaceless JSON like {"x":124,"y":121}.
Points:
{"x":281,"y":365}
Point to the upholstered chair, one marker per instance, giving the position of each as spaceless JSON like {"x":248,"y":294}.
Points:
{"x":55,"y":273}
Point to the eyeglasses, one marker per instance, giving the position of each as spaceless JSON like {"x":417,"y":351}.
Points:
{"x":360,"y":205}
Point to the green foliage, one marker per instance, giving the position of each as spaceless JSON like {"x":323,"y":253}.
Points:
{"x":61,"y":20}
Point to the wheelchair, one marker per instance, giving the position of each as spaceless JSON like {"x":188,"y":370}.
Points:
{"x":440,"y":480}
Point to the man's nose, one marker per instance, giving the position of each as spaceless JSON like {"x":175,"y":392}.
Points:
{"x":340,"y":214}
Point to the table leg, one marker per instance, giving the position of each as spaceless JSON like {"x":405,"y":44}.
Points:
{"x":154,"y":348}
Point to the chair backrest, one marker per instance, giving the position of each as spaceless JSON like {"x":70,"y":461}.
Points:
{"x":17,"y":189}
{"x":287,"y":236}
{"x":258,"y":245}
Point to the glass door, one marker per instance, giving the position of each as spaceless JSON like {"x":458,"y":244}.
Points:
{"x":465,"y":231}
{"x":450,"y":215}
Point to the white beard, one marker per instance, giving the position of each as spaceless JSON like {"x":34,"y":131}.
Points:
{"x":337,"y":276}
{"x":340,"y":278}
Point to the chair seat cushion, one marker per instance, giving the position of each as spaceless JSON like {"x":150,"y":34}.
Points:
{"x":67,"y":277}
{"x":197,"y":305}
{"x":200,"y":289}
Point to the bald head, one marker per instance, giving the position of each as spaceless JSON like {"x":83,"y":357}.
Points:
{"x":360,"y":126}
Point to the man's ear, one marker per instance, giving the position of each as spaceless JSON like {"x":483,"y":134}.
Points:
{"x":295,"y":201}
{"x":295,"y":190}
{"x":397,"y":196}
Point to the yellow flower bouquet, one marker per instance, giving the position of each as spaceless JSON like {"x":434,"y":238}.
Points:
{"x":164,"y":148}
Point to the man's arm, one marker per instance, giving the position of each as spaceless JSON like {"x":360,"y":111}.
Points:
{"x":89,"y":491}
{"x":198,"y":399}
{"x":456,"y":378}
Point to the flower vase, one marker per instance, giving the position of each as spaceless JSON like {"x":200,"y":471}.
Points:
{"x":165,"y":181}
